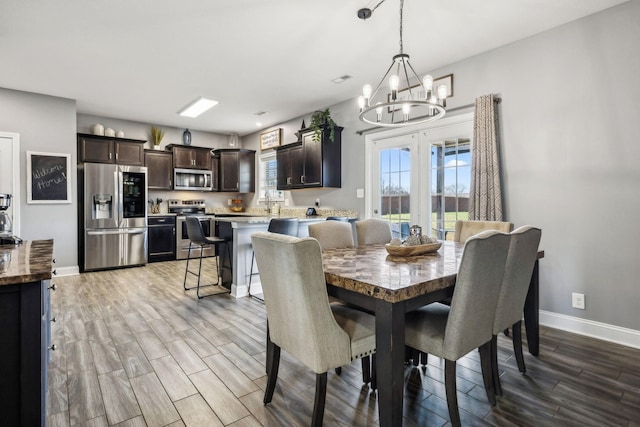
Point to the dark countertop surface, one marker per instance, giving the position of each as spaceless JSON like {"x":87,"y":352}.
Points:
{"x":29,"y":262}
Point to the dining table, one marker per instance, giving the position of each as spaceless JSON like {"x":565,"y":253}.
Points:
{"x":390,"y":286}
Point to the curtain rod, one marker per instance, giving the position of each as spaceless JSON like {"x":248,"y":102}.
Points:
{"x":462,"y":107}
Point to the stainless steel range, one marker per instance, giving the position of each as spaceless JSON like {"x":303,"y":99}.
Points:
{"x":184,"y":208}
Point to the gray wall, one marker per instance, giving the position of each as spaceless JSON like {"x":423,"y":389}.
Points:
{"x":46,"y":124}
{"x":569,"y":125}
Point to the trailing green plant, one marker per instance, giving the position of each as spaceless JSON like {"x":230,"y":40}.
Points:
{"x":156,"y":135}
{"x":321,"y":120}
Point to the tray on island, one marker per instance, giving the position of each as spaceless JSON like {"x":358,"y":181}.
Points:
{"x":396,"y":250}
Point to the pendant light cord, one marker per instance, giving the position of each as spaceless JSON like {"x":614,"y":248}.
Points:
{"x":401,"y":7}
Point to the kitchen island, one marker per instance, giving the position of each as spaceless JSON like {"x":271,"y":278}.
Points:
{"x":238,"y":229}
{"x":25,"y":271}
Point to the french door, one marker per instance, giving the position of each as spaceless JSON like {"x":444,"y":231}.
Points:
{"x":409,"y":174}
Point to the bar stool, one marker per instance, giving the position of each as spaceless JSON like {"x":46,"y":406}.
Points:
{"x":198,"y":239}
{"x":288,"y":226}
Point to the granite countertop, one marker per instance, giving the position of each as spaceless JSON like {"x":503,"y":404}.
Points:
{"x":265,"y":219}
{"x":29,"y":262}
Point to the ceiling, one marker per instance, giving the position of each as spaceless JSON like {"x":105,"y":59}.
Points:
{"x":144,"y":60}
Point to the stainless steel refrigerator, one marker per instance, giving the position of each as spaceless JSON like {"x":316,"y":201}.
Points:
{"x":115,"y":216}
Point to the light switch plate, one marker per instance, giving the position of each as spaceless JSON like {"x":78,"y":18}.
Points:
{"x":360,"y":193}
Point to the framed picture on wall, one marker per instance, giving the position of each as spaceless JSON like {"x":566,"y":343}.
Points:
{"x":48,"y":177}
{"x":270,"y":139}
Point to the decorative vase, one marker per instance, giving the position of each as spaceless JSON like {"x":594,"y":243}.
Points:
{"x":186,"y":137}
{"x":98,"y":129}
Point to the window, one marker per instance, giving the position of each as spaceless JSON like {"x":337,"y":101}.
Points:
{"x":268,"y":172}
{"x":395,"y":188}
{"x":450,"y":184}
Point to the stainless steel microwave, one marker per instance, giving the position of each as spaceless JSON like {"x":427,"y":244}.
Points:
{"x":192,"y":179}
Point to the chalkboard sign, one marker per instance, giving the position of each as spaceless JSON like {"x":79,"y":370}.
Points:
{"x":48,"y":177}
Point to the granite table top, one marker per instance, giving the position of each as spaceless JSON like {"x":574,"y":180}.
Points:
{"x":370,"y":270}
{"x":29,"y":262}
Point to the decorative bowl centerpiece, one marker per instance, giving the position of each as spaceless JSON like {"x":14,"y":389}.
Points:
{"x":413,"y":245}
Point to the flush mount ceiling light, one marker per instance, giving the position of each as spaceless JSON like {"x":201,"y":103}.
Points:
{"x":416,"y":102}
{"x":197,"y":107}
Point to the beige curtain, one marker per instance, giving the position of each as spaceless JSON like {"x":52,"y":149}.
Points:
{"x":485,"y":198}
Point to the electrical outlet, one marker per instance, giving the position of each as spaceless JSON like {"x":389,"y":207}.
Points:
{"x":360,"y":193}
{"x":577,"y":301}
{"x":286,"y":202}
{"x":317,"y":203}
{"x":229,"y":202}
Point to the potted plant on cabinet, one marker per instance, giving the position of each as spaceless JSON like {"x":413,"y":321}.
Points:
{"x":156,"y":136}
{"x":321,"y":120}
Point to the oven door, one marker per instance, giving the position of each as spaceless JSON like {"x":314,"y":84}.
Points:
{"x":182,"y":240}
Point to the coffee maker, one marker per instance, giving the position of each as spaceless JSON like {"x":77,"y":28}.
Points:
{"x":6,"y":236}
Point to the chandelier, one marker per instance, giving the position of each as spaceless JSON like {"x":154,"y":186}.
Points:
{"x":416,"y":102}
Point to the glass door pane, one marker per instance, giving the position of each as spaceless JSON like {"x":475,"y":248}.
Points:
{"x":395,"y":188}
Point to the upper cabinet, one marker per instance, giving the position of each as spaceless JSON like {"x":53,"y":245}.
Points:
{"x":188,"y":157}
{"x":159,"y":165}
{"x":310,"y":163}
{"x":234,"y":170}
{"x":106,"y":149}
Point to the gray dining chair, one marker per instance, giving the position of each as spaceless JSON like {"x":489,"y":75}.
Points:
{"x":450,"y":332}
{"x":332,"y":234}
{"x":523,"y":252}
{"x":467,"y":228}
{"x":300,"y":319}
{"x":372,"y":230}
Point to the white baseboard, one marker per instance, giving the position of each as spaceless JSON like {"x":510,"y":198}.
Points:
{"x":66,"y":271}
{"x":603,"y":331}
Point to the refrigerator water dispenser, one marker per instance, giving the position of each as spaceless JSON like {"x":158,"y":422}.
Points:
{"x":102,"y":206}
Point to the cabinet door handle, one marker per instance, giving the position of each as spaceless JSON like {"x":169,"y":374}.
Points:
{"x":109,"y":156}
{"x":116,"y":156}
{"x":288,"y":180}
{"x":237,"y":185}
{"x":302,"y":179}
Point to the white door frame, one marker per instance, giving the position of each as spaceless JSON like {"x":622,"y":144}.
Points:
{"x":15,"y":191}
{"x":427,"y":133}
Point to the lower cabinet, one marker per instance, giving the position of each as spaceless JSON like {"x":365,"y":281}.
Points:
{"x":162,"y":238}
{"x":25,"y":335}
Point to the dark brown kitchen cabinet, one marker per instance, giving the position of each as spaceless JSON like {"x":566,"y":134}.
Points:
{"x":187,"y":157}
{"x":235,"y":170}
{"x":105,"y":149}
{"x":159,"y":169}
{"x":309,"y":163}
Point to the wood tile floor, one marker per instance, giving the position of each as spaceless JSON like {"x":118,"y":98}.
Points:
{"x":134,"y":349}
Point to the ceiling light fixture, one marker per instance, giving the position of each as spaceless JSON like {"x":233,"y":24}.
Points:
{"x":197,"y":107}
{"x":416,"y":102}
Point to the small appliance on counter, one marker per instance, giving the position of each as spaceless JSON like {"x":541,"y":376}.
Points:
{"x":312,"y":212}
{"x":6,"y":230}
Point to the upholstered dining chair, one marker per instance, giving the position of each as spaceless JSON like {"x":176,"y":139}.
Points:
{"x":332,"y":234}
{"x":450,"y":332}
{"x":300,"y":319}
{"x":288,"y":226}
{"x":197,"y":240}
{"x":523,"y":252}
{"x":372,"y":230}
{"x":466,"y":229}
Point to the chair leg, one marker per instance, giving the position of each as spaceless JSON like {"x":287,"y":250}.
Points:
{"x":273,"y":372}
{"x":517,"y":345}
{"x":186,"y":270}
{"x":374,"y":373}
{"x":424,"y":358}
{"x":339,"y":370}
{"x":269,"y":360}
{"x":450,"y":387}
{"x":199,"y":273}
{"x":487,"y":377}
{"x":366,"y":369}
{"x":253,"y":258}
{"x":318,"y":405}
{"x":497,"y":387}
